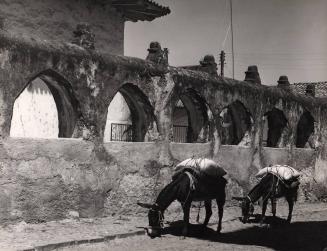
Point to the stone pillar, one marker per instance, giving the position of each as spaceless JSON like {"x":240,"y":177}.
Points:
{"x":5,"y":116}
{"x":163,"y":112}
{"x":293,"y":117}
{"x":283,"y":83}
{"x":252,"y":75}
{"x":2,"y":23}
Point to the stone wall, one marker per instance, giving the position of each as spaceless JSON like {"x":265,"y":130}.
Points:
{"x":48,"y":179}
{"x":55,"y":21}
{"x":319,"y":87}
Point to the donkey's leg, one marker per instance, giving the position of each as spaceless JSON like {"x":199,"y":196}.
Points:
{"x":220,"y":204}
{"x":290,"y":208}
{"x":186,"y":210}
{"x":207,"y":205}
{"x":264,"y":207}
{"x":273,"y":206}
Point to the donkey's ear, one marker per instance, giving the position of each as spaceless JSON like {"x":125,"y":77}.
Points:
{"x":145,"y":205}
{"x":238,"y":198}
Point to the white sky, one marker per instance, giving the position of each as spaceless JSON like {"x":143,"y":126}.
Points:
{"x":283,"y":37}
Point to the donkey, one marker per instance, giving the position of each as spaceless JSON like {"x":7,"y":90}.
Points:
{"x":270,"y":187}
{"x":185,"y":188}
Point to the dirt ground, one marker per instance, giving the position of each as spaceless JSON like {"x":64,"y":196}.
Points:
{"x":308,"y":231}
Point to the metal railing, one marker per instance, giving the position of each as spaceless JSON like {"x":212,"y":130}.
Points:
{"x":180,"y":134}
{"x":121,"y":132}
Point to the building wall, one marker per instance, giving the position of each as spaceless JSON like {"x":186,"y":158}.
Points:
{"x":35,"y":113}
{"x":46,"y":179}
{"x":118,"y":112}
{"x":55,"y":21}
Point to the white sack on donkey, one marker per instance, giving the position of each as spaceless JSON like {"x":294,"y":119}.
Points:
{"x":283,"y":171}
{"x":201,"y":165}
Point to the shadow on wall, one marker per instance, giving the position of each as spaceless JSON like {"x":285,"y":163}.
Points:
{"x":190,"y":118}
{"x":277,"y":123}
{"x":236,"y":125}
{"x":305,"y":131}
{"x":35,"y":113}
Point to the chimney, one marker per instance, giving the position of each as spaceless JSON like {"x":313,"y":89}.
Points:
{"x":283,"y":83}
{"x":252,"y":75}
{"x":156,"y":54}
{"x":310,"y":90}
{"x":209,"y":65}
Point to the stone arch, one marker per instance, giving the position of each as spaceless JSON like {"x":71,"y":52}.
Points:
{"x":66,"y":104}
{"x":276,"y":128}
{"x":195,"y":117}
{"x":304,"y":131}
{"x":237,"y":124}
{"x":141,"y":120}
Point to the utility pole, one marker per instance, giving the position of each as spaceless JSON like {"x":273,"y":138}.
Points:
{"x":222,"y":63}
{"x":231,"y":24}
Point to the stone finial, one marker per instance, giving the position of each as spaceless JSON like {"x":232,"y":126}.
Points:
{"x":209,"y":64}
{"x":283,"y":83}
{"x":156,"y":54}
{"x":252,"y":75}
{"x":310,"y":90}
{"x":84,"y":37}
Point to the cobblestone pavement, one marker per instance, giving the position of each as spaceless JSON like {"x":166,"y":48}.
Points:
{"x":307,"y":232}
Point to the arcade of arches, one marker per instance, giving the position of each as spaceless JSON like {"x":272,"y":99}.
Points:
{"x":130,"y":117}
{"x":88,"y":94}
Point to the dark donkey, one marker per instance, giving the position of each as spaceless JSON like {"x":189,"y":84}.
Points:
{"x":186,"y":189}
{"x":270,"y":187}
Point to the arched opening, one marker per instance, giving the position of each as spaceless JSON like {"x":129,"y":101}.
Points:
{"x":190,"y":118}
{"x":237,"y":124}
{"x":46,"y":108}
{"x":130,"y":117}
{"x":277,"y":124}
{"x":305,"y":131}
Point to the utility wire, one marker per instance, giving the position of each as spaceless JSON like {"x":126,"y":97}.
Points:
{"x":279,"y":53}
{"x":228,"y":26}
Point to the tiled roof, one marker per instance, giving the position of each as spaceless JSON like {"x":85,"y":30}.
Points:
{"x":320,"y":88}
{"x":134,"y":10}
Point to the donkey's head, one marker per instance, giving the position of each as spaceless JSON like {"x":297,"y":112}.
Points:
{"x":156,"y":217}
{"x":246,"y":206}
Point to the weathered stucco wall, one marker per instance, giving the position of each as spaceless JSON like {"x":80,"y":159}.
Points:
{"x":46,"y":179}
{"x":55,"y":21}
{"x":49,"y":179}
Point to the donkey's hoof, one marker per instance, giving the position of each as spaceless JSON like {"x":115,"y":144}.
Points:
{"x":184,"y":232}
